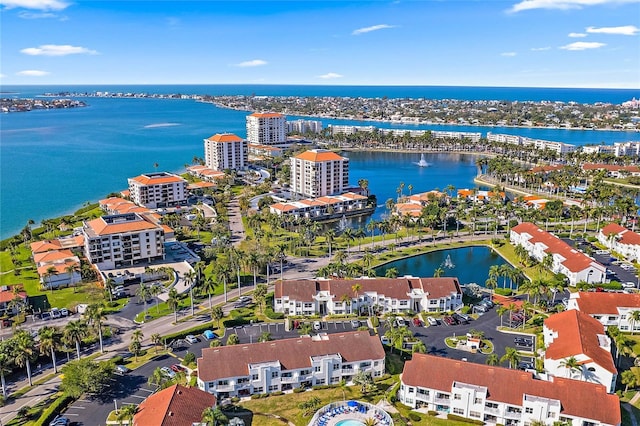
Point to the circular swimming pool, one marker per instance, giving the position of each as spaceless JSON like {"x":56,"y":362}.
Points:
{"x":349,"y":422}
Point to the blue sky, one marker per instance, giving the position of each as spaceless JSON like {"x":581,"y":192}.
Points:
{"x":539,"y":43}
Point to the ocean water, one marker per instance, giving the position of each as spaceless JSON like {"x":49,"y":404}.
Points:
{"x":51,"y":162}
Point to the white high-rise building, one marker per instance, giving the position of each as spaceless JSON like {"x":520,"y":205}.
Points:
{"x":319,"y":172}
{"x":225,"y":151}
{"x":158,"y":189}
{"x":267,"y":129}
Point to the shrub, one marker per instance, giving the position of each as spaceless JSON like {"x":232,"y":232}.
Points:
{"x":414,"y":417}
{"x":189,"y":357}
{"x":503,"y":291}
{"x":464,"y":419}
{"x":277,"y":393}
{"x":268,"y":312}
{"x":235,"y":399}
{"x":53,"y":410}
{"x":299,"y":390}
{"x":432,"y":413}
{"x":465,"y":309}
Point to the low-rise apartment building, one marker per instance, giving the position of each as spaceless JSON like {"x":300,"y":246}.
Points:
{"x":157,"y":189}
{"x":176,"y":405}
{"x":608,"y":308}
{"x":574,"y":334}
{"x":347,"y":204}
{"x":622,"y":240}
{"x":282,"y":365}
{"x":364,"y":295}
{"x":497,"y":395}
{"x":114,"y":241}
{"x":575,"y":265}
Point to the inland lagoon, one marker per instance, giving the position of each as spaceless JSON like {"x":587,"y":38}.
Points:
{"x":468,"y":264}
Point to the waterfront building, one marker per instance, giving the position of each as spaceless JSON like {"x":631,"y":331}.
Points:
{"x":12,"y":299}
{"x":337,"y":129}
{"x":75,"y":243}
{"x":574,"y":264}
{"x":158,"y":189}
{"x":205,"y":173}
{"x":497,"y":395}
{"x":383,"y":295}
{"x":114,"y":241}
{"x":575,"y":334}
{"x":57,"y":268}
{"x":413,"y":204}
{"x":319,"y":172}
{"x":176,"y":405}
{"x":225,"y":151}
{"x":558,"y":147}
{"x":304,"y":126}
{"x":117,"y":205}
{"x":621,"y":240}
{"x":323,"y":208}
{"x":481,"y":196}
{"x":608,"y":308}
{"x":267,"y":129}
{"x":265,"y":150}
{"x":631,"y":149}
{"x":282,"y":365}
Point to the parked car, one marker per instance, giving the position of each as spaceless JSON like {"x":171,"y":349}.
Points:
{"x":525,"y":365}
{"x":417,"y":322}
{"x":317,"y":325}
{"x":55,"y":313}
{"x":209,"y":335}
{"x":121,"y":370}
{"x":465,"y":316}
{"x":448,"y":320}
{"x":117,"y":289}
{"x":167,"y":372}
{"x":178,"y":368}
{"x":125,"y":355}
{"x":191,"y":338}
{"x":385,"y":340}
{"x":523,"y":341}
{"x":355,"y":323}
{"x":481,"y":308}
{"x":459,"y":319}
{"x":59,"y":421}
{"x":432,"y":321}
{"x":628,"y":284}
{"x":400,"y":322}
{"x":64,"y":312}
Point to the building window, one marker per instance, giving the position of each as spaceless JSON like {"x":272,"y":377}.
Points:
{"x":423,"y":392}
{"x":287,"y":374}
{"x":274,"y":374}
{"x":273,"y":388}
{"x":474,"y":414}
{"x":459,"y":411}
{"x":457,"y":396}
{"x":317,"y":369}
{"x":258,"y":390}
{"x":365,"y":364}
{"x":336,"y":366}
{"x":254,"y":377}
{"x":528,"y":410}
{"x":477,"y":400}
{"x":223,"y":382}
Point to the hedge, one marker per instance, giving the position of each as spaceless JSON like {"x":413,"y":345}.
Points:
{"x":464,"y":419}
{"x":269,"y":313}
{"x":53,"y":410}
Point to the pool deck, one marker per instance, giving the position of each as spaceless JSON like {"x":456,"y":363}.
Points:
{"x":354,"y":415}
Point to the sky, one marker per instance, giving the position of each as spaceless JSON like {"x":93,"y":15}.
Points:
{"x":512,"y":43}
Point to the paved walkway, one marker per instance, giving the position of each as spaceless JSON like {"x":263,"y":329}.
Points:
{"x":627,"y":407}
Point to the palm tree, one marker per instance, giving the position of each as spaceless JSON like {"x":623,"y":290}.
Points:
{"x":571,"y":364}
{"x":157,"y":377}
{"x":75,"y":331}
{"x":438,"y":272}
{"x":419,"y":347}
{"x":329,"y":237}
{"x":173,"y":302}
{"x":391,"y":273}
{"x":356,"y":290}
{"x":213,"y":417}
{"x":156,"y":339}
{"x":51,"y":271}
{"x":126,"y":413}
{"x":24,"y":351}
{"x":95,"y":315}
{"x":501,"y":310}
{"x":217,"y":314}
{"x":493,"y":359}
{"x":143,"y":294}
{"x":109,"y":285}
{"x":154,"y":291}
{"x":136,"y":342}
{"x":629,"y":378}
{"x":634,"y":318}
{"x":511,"y":356}
{"x":209,"y":287}
{"x":6,"y":359}
{"x":190,"y":280}
{"x":49,"y":341}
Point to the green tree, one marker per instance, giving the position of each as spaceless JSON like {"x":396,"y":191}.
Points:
{"x":217,"y":314}
{"x":49,"y":342}
{"x":265,"y":337}
{"x":511,"y":356}
{"x":86,"y":376}
{"x":173,"y":301}
{"x":156,"y":339}
{"x":634,"y":318}
{"x":571,"y":365}
{"x":126,"y":413}
{"x":157,"y":377}
{"x":629,"y":378}
{"x":74,"y":332}
{"x":136,"y":343}
{"x":6,"y":360}
{"x":260,"y":295}
{"x":24,"y":351}
{"x":364,"y":380}
{"x":493,"y":359}
{"x":233,"y":339}
{"x":143,"y":294}
{"x":391,"y":273}
{"x":95,"y":315}
{"x":214,"y":417}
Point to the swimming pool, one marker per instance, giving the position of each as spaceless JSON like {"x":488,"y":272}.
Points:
{"x":349,"y":422}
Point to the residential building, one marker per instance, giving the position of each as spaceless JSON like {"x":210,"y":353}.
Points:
{"x":10,"y":299}
{"x":613,"y":170}
{"x":558,"y":147}
{"x":225,"y":151}
{"x":347,"y":204}
{"x":157,"y":189}
{"x":72,"y":242}
{"x":304,"y":126}
{"x":206,"y":173}
{"x":382,"y":295}
{"x":265,"y":151}
{"x":57,"y":268}
{"x":267,"y":129}
{"x":575,"y":265}
{"x":574,"y":334}
{"x":608,"y":308}
{"x":319,"y":172}
{"x":176,"y":405}
{"x":282,"y":365}
{"x":114,"y":241}
{"x":621,"y":240}
{"x":497,"y":395}
{"x":337,"y":129}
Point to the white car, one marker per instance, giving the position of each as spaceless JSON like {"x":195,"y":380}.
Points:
{"x":317,"y":325}
{"x":191,"y":338}
{"x":432,"y":321}
{"x":167,"y":372}
{"x":628,"y":285}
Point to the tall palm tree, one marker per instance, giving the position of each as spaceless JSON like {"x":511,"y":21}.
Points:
{"x":209,"y":287}
{"x":213,"y":417}
{"x":156,"y":339}
{"x":154,"y":291}
{"x":75,"y":331}
{"x":493,"y":359}
{"x":24,"y":351}
{"x":6,"y":359}
{"x":438,"y":272}
{"x":190,"y":280}
{"x":126,"y":413}
{"x":49,"y":342}
{"x":512,"y":356}
{"x":143,"y":294}
{"x":109,"y":285}
{"x":634,"y":318}
{"x":173,"y":303}
{"x":501,"y":310}
{"x":51,"y":271}
{"x":95,"y":315}
{"x":391,"y":273}
{"x":571,"y":364}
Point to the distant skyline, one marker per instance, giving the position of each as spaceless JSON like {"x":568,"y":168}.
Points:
{"x":519,"y":43}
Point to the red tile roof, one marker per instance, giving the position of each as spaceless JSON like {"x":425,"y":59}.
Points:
{"x":45,"y":245}
{"x":396,"y":288}
{"x":610,"y":167}
{"x":157,"y":179}
{"x":233,"y":361}
{"x":7,"y":296}
{"x":578,"y":398}
{"x":52,"y":256}
{"x":578,"y":335}
{"x":266,"y":115}
{"x":626,"y":236}
{"x":225,"y":137}
{"x":100,"y":227}
{"x":575,"y":260}
{"x":319,"y":155}
{"x":60,"y":267}
{"x":594,"y":303}
{"x":176,"y":405}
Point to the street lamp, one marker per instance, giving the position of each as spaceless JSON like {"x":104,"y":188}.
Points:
{"x":115,"y":402}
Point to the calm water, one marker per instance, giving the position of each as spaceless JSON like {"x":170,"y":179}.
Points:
{"x":51,"y":162}
{"x":470,"y":264}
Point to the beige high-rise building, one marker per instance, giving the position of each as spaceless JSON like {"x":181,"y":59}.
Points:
{"x":319,"y":172}
{"x":157,"y":189}
{"x":225,"y":151}
{"x":267,"y":129}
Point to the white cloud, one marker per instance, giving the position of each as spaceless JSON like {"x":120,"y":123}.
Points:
{"x":33,"y":73}
{"x":371,"y":28}
{"x":628,"y":30}
{"x":562,"y":4}
{"x":38,"y":15}
{"x":2,"y":76}
{"x":577,"y":35}
{"x":583,"y":45}
{"x":57,"y":50}
{"x":330,"y":75}
{"x":508,"y":54}
{"x":252,"y":63}
{"x":540,"y":49}
{"x":35,"y":4}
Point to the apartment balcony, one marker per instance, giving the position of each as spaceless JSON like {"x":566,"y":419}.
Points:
{"x":289,"y":379}
{"x":442,"y":401}
{"x":491,"y":410}
{"x":512,"y":415}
